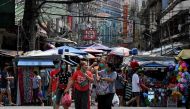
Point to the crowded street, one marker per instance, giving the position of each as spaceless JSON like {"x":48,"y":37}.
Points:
{"x":95,"y":54}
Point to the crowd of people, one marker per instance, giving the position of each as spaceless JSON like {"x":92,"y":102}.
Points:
{"x":88,"y":85}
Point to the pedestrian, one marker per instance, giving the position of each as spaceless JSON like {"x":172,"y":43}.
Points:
{"x":4,"y":86}
{"x":53,"y":82}
{"x":37,"y":91}
{"x":63,"y":78}
{"x":81,"y":79}
{"x":45,"y":78}
{"x":106,"y":85}
{"x":135,"y":88}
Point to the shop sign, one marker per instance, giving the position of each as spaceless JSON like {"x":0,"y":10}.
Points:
{"x":89,"y":34}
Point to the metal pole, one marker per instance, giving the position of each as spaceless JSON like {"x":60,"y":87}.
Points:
{"x":18,"y":36}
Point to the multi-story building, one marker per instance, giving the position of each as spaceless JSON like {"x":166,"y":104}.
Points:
{"x":110,"y":28}
{"x":168,"y":24}
{"x":131,"y":37}
{"x":150,"y":13}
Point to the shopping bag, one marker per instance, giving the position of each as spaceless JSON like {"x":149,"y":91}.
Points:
{"x":66,"y":100}
{"x":115,"y":100}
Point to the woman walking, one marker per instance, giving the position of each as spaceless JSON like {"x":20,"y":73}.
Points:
{"x":63,"y":78}
{"x":81,"y":80}
{"x":106,"y":86}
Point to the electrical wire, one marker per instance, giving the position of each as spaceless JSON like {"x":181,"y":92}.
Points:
{"x":5,"y":3}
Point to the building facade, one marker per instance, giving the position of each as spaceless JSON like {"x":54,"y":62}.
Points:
{"x":110,"y":25}
{"x":165,"y":23}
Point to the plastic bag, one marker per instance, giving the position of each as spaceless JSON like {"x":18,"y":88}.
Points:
{"x":115,"y":100}
{"x":66,"y":100}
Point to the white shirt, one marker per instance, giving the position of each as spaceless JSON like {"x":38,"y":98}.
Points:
{"x":36,"y":82}
{"x":135,"y":83}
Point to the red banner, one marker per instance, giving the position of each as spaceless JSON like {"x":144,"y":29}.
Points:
{"x":89,"y":34}
{"x":69,"y":20}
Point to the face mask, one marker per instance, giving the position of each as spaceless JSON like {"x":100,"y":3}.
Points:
{"x":101,"y":65}
{"x":63,"y":67}
{"x":106,"y":69}
{"x":57,"y":66}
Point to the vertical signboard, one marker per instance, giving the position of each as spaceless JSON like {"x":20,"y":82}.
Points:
{"x":125,"y":15}
{"x":70,"y":20}
{"x":130,"y":31}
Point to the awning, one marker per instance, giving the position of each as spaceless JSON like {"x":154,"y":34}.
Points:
{"x":184,"y":54}
{"x":9,"y":53}
{"x":154,"y":64}
{"x":29,"y":62}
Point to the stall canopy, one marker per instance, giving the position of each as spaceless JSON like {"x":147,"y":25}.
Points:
{"x":92,"y":50}
{"x":60,"y":40}
{"x":71,"y":52}
{"x":120,"y":51}
{"x":96,"y":46}
{"x":10,"y":53}
{"x":143,"y":60}
{"x":184,"y":54}
{"x":37,"y":60}
{"x":29,"y":62}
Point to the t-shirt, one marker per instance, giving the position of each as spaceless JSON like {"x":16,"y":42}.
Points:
{"x":3,"y":80}
{"x":36,"y":82}
{"x":79,"y":78}
{"x":135,"y":83}
{"x":45,"y":77}
{"x":113,"y":76}
{"x":54,"y":79}
{"x":63,"y":77}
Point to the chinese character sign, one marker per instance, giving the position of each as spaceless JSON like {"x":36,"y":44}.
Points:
{"x":89,"y":34}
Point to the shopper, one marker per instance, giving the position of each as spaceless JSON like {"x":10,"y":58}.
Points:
{"x":81,"y":80}
{"x":63,"y":78}
{"x":135,"y":88}
{"x":106,"y":86}
{"x":53,"y":82}
{"x":4,"y":86}
{"x":37,"y":91}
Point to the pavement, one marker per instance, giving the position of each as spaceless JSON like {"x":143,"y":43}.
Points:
{"x":93,"y":107}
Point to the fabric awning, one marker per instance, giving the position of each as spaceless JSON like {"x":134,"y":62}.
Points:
{"x":184,"y":54}
{"x":29,"y":62}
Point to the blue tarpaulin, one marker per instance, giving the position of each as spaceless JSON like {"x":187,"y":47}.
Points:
{"x":29,"y":62}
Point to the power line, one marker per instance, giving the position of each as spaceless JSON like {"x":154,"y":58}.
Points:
{"x":5,"y":3}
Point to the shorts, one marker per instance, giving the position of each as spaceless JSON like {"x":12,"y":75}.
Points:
{"x":136,"y":94}
{"x":120,"y":92}
{"x":59,"y":95}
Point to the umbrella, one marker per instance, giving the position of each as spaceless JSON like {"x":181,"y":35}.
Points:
{"x":121,"y":51}
{"x":100,"y":47}
{"x":184,"y":54}
{"x":92,"y":50}
{"x":60,"y":40}
{"x":89,"y":56}
{"x":96,"y":46}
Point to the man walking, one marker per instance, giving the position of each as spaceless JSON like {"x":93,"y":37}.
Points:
{"x":135,"y":88}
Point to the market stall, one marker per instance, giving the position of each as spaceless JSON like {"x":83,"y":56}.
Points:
{"x":25,"y":66}
{"x":157,"y":76}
